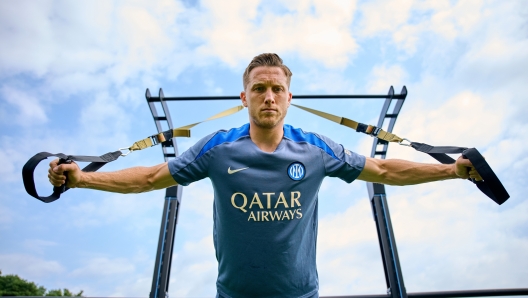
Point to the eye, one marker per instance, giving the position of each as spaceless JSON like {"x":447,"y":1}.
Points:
{"x":278,"y":89}
{"x":258,"y":88}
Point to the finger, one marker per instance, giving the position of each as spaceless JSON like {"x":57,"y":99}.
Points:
{"x":54,"y":173}
{"x":55,"y":179}
{"x":475,"y":175}
{"x":54,"y":163}
{"x":464,"y":162}
{"x":60,"y":169}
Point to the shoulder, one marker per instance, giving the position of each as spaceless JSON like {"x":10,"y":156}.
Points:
{"x":298,"y":135}
{"x":221,"y":137}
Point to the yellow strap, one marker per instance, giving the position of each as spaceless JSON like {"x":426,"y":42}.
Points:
{"x":219,"y":115}
{"x":381,"y":134}
{"x":184,"y":131}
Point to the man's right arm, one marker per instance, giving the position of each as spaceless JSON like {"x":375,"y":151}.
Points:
{"x":131,"y":180}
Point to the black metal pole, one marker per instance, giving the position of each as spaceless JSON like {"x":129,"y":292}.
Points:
{"x":171,"y":208}
{"x":234,"y":97}
{"x":451,"y":294}
{"x":380,"y":208}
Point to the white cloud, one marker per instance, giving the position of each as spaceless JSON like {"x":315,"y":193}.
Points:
{"x":348,"y":255}
{"x":378,"y":16}
{"x":29,"y":267}
{"x":195,"y":270}
{"x":462,"y":120}
{"x":382,"y":76}
{"x":38,"y":245}
{"x":88,"y":45}
{"x":29,"y":111}
{"x":111,"y":208}
{"x":113,"y":277}
{"x":6,"y":217}
{"x":100,"y":267}
{"x":414,"y":24}
{"x":449,"y":237}
{"x":330,"y":82}
{"x":318,"y":31}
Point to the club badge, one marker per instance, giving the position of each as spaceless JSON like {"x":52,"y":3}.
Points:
{"x":296,"y":171}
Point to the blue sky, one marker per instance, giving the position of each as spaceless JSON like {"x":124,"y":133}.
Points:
{"x":73,"y":77}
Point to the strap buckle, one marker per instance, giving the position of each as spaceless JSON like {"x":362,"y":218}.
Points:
{"x":125,"y":154}
{"x":374,"y":130}
{"x":405,"y":144}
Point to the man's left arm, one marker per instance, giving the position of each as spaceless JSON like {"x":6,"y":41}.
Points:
{"x":403,"y":172}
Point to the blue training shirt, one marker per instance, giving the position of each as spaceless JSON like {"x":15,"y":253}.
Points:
{"x":265,"y":206}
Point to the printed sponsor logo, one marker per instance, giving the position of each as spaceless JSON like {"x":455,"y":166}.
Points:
{"x":263,"y":207}
{"x":296,"y":171}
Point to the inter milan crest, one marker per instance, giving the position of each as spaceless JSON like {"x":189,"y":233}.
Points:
{"x":296,"y":171}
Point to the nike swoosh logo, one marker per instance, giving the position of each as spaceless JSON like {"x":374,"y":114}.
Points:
{"x":229,"y":171}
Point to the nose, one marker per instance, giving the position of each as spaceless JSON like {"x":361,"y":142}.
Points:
{"x":269,"y":96}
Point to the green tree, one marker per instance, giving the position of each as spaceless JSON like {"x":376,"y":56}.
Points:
{"x":66,"y":292}
{"x":12,"y":285}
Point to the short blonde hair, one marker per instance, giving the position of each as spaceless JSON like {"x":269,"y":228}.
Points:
{"x":266,"y":59}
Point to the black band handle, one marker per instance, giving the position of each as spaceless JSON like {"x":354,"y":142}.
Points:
{"x":29,"y":168}
{"x":29,"y":182}
{"x":62,"y":188}
{"x":491,"y":186}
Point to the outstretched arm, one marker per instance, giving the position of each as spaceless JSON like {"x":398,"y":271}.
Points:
{"x":403,"y":172}
{"x":132,"y":180}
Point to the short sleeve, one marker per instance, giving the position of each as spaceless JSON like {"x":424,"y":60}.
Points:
{"x":190,"y":166}
{"x":342,"y":163}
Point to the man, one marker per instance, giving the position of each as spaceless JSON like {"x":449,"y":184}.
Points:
{"x":266,"y":177}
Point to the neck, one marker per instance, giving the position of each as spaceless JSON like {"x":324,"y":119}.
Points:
{"x":267,"y":139}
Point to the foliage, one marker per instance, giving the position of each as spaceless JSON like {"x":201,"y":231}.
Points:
{"x":66,"y":292}
{"x":13,"y":285}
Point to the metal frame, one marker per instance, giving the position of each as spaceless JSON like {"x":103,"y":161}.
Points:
{"x":171,"y":208}
{"x":378,"y":201}
{"x":377,"y":196}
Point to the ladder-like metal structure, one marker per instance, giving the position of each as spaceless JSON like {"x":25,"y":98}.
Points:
{"x":169,"y":219}
{"x":378,"y":201}
{"x":377,"y":195}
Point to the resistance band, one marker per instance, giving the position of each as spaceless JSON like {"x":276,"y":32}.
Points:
{"x":491,"y":186}
{"x":96,"y":162}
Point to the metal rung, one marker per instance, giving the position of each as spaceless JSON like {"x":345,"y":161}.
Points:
{"x":391,"y":115}
{"x":159,"y":118}
{"x":169,"y":155}
{"x":153,"y":99}
{"x":380,"y":152}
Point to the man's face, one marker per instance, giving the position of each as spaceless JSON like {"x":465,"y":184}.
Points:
{"x":267,"y":96}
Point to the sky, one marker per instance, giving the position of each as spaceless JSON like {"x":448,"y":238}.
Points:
{"x":73,"y":75}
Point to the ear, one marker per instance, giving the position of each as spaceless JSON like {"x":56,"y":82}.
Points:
{"x":289,"y":98}
{"x":243,"y":98}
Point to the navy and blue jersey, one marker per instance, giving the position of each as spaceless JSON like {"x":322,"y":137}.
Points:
{"x":265,"y":206}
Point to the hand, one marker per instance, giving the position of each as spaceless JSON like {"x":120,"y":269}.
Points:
{"x":57,"y":176}
{"x":464,"y":169}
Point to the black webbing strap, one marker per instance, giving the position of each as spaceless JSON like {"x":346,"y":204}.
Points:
{"x":490,"y":185}
{"x":96,"y":162}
